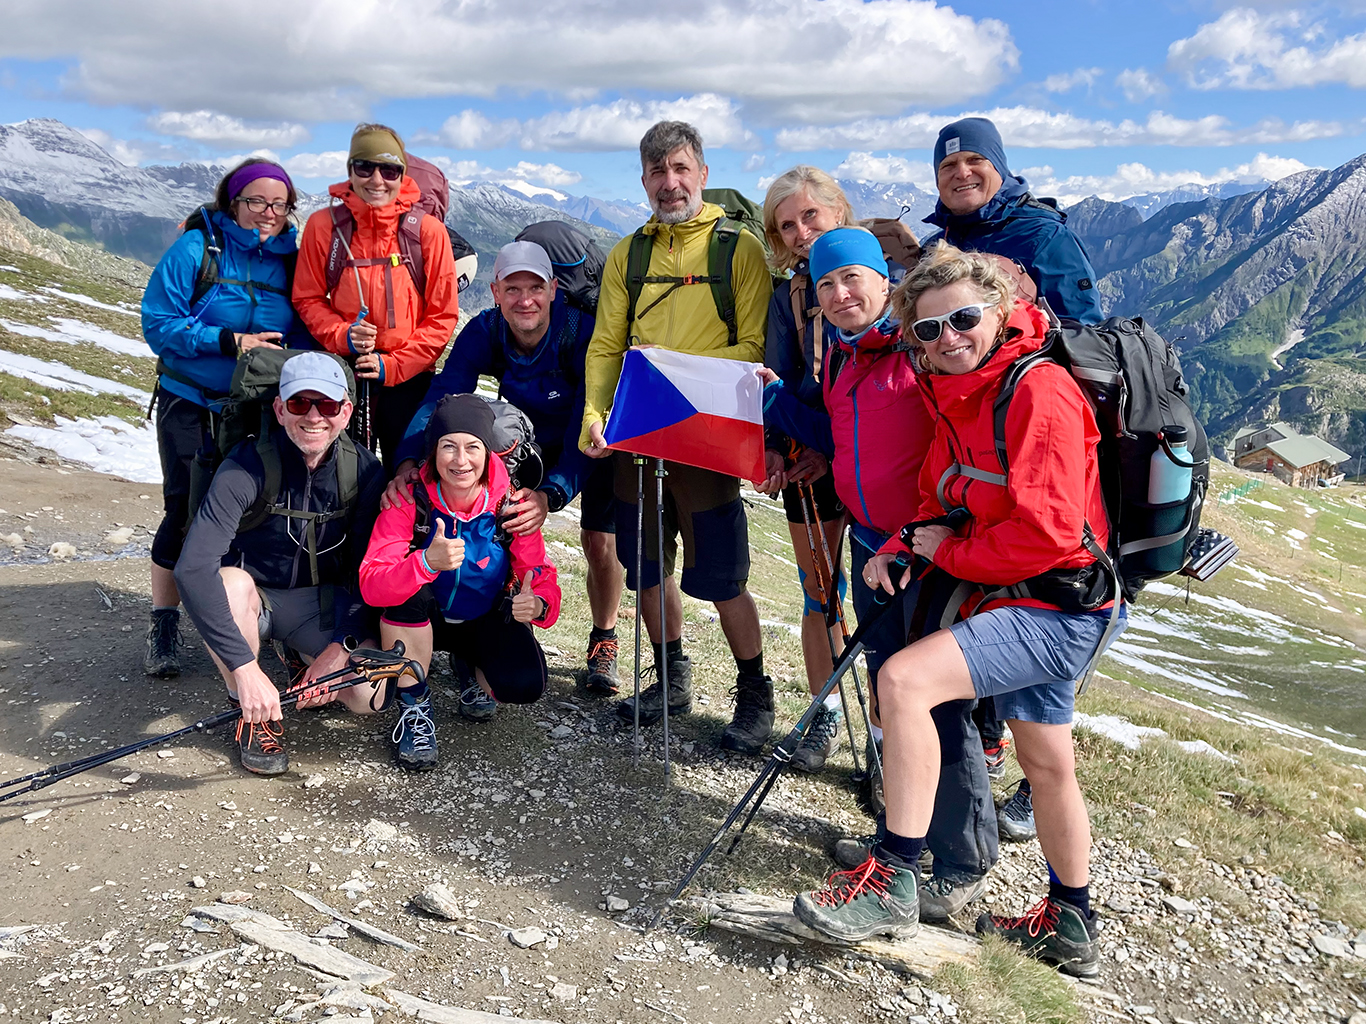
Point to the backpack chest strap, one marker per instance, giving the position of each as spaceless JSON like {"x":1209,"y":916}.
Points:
{"x":971,"y":473}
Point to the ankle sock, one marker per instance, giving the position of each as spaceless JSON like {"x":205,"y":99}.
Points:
{"x":876,"y":732}
{"x":900,"y":851}
{"x":602,"y":634}
{"x":753,"y":667}
{"x":833,"y":702}
{"x":673,"y":648}
{"x":413,"y":694}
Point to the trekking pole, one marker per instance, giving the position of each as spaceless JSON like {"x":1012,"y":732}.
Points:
{"x":639,"y":460}
{"x":365,"y":665}
{"x":660,"y":474}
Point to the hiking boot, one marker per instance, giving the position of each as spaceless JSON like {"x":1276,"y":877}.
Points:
{"x":602,"y":667}
{"x":1015,"y":819}
{"x":475,"y":704}
{"x":1053,"y":932}
{"x":875,"y":898}
{"x":163,"y":644}
{"x":262,"y":747}
{"x":995,"y":753}
{"x":290,"y":659}
{"x":876,"y":802}
{"x":652,"y":696}
{"x":851,"y":851}
{"x":415,"y":734}
{"x":941,"y":898}
{"x":821,"y":740}
{"x":752,"y":724}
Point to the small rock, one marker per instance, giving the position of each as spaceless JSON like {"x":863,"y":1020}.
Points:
{"x":335,"y":930}
{"x":116,"y":539}
{"x":131,"y":778}
{"x":314,"y":868}
{"x":314,"y":781}
{"x":156,"y":947}
{"x":1171,"y":883}
{"x":1330,"y":946}
{"x":13,"y":540}
{"x":1119,"y":905}
{"x":33,"y":816}
{"x":380,"y":831}
{"x":198,"y":882}
{"x":234,"y":896}
{"x":1143,"y":1010}
{"x":165,"y":753}
{"x":1357,"y":1018}
{"x":780,"y":963}
{"x":61,"y":550}
{"x":438,"y":901}
{"x":1184,"y":844}
{"x":525,"y":938}
{"x":196,"y":924}
{"x":564,"y":993}
{"x":561,"y":732}
{"x":615,"y":904}
{"x":1177,"y":905}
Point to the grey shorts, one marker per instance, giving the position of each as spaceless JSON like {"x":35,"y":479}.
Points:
{"x":1029,"y":659}
{"x":294,"y":617}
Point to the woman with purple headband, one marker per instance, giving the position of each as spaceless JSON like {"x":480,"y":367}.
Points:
{"x":222,"y":288}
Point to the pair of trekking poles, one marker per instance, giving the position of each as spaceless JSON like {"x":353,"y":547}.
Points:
{"x":364,"y":665}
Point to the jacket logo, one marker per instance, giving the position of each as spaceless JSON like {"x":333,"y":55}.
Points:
{"x":483,"y":563}
{"x":553,"y":394}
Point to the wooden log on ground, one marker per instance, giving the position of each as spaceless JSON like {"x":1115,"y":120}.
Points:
{"x":271,"y":932}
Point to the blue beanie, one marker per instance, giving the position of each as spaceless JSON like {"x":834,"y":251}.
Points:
{"x":972,"y":135}
{"x":844,"y":247}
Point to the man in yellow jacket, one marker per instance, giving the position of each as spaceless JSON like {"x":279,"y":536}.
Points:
{"x":704,"y":507}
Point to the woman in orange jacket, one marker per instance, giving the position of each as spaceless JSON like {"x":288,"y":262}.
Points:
{"x":376,"y":281}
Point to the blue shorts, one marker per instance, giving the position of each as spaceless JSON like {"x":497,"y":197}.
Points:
{"x":1030,"y":659}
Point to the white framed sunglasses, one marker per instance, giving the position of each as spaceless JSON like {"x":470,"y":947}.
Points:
{"x":963,"y":319}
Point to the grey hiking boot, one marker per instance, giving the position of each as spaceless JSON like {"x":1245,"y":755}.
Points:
{"x":941,"y":898}
{"x":851,"y":851}
{"x":475,"y":704}
{"x":752,"y":725}
{"x":821,"y":740}
{"x":876,"y":898}
{"x":652,"y":696}
{"x":162,"y":658}
{"x":876,"y":802}
{"x":1053,"y":932}
{"x":601,"y":677}
{"x":415,"y":734}
{"x":1015,"y":819}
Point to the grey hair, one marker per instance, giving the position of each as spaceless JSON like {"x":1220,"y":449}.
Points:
{"x":946,"y":265}
{"x":665,"y":137}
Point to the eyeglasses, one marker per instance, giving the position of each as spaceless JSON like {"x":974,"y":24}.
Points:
{"x":365,"y":168}
{"x":961,"y":320}
{"x":256,"y":204}
{"x":298,"y":405}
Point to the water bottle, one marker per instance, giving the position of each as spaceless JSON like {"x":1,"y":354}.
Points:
{"x":1169,"y":479}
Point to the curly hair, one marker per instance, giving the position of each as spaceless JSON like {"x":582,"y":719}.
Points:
{"x":821,"y":187}
{"x":946,"y":265}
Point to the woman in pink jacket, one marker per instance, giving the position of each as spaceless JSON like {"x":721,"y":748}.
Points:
{"x":449,"y":578}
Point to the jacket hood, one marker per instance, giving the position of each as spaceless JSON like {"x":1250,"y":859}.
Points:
{"x":1009,"y":195}
{"x":706,"y":217}
{"x":408,"y":195}
{"x":1026,"y":331}
{"x":283,"y":244}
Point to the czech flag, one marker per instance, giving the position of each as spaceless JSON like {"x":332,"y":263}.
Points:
{"x":697,"y":410}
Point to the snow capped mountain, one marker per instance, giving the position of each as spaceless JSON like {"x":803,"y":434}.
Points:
{"x":1152,"y":202}
{"x":879,"y":199}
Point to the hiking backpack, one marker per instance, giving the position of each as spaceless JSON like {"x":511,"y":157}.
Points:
{"x":575,"y":258}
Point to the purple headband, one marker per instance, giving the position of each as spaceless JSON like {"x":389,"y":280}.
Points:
{"x":244,"y":176}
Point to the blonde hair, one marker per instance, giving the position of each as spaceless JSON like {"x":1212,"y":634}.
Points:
{"x":946,"y":265}
{"x":823,"y":190}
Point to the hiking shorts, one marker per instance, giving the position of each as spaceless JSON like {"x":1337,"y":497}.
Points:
{"x":1029,"y":659}
{"x":294,"y":617}
{"x":597,"y":502}
{"x":181,"y":429}
{"x":505,"y":650}
{"x":828,"y":504}
{"x":705,"y":508}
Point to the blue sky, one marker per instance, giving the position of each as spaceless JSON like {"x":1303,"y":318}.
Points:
{"x":1110,"y":98}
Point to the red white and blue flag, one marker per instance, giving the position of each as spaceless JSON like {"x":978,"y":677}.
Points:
{"x":697,"y":410}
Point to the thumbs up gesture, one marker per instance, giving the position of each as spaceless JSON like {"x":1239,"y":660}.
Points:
{"x":526,"y":605}
{"x":445,"y":552}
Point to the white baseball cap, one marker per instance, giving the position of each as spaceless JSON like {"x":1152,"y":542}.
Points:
{"x":313,"y":371}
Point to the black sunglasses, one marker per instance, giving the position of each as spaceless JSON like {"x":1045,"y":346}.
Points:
{"x":365,"y":168}
{"x":298,"y":405}
{"x":961,"y":320}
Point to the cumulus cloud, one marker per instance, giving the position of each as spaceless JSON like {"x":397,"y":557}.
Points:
{"x":1135,"y":179}
{"x":332,"y":59}
{"x":1031,"y":127}
{"x":1071,"y":79}
{"x":134,"y":152}
{"x":220,"y":130}
{"x":1249,"y":49}
{"x":890,"y":169}
{"x":330,"y":165}
{"x":1139,"y":84}
{"x":754,"y":162}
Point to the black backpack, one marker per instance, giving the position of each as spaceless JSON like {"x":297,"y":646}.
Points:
{"x":210,"y":266}
{"x":575,"y":258}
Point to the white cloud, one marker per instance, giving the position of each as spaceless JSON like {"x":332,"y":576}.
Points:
{"x":330,"y":165}
{"x":1139,"y":84}
{"x":819,"y":60}
{"x":890,"y":169}
{"x":1031,"y":127}
{"x":1136,"y":179}
{"x":754,"y":162}
{"x":1248,"y":49}
{"x":1071,"y":79}
{"x":220,"y":130}
{"x":134,"y":152}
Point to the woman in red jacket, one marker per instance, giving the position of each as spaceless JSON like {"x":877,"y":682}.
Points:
{"x":1032,"y":531}
{"x":467,"y":588}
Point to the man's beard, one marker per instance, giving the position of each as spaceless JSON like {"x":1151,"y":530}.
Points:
{"x":688,"y":212}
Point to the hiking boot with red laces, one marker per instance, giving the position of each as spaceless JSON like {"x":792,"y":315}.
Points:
{"x":602,"y":666}
{"x":1053,"y":932}
{"x":263,"y":747}
{"x":876,"y":898}
{"x":995,"y":753}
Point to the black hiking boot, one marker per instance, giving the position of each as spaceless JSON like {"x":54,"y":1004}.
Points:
{"x":652,"y":697}
{"x":262,"y":747}
{"x":602,"y":667}
{"x":1053,"y":932}
{"x":876,"y":898}
{"x":415,"y":734}
{"x":821,"y":740}
{"x":752,"y":725}
{"x":163,"y":644}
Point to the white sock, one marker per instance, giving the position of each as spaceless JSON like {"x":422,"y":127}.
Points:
{"x":876,"y":730}
{"x":832,"y":701}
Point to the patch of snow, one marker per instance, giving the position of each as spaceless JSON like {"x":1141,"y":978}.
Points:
{"x":107,"y":445}
{"x":86,"y":300}
{"x":1123,"y":732}
{"x":9,"y":294}
{"x":1253,"y":583}
{"x":1353,"y":522}
{"x":61,"y":377}
{"x":532,"y":191}
{"x":1204,"y":681}
{"x":1297,"y":534}
{"x":75,"y":332}
{"x":1201,"y":747}
{"x":12,"y":270}
{"x":1264,"y":504}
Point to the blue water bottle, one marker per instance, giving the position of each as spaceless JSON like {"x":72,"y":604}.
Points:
{"x":1169,"y":471}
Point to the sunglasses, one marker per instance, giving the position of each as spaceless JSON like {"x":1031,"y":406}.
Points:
{"x":298,"y":405}
{"x":961,"y":320}
{"x":365,"y":168}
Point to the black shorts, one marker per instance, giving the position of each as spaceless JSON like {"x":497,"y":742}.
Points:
{"x":828,"y":505}
{"x":597,"y":502}
{"x":182,"y":427}
{"x":506,"y":651}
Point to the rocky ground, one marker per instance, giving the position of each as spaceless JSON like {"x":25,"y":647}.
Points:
{"x":554,"y":850}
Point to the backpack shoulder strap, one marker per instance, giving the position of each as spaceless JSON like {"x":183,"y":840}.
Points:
{"x":1000,"y":408}
{"x":568,"y":334}
{"x":725,"y":238}
{"x":208,"y":273}
{"x":422,"y":516}
{"x":343,"y":227}
{"x":637,"y":268}
{"x":348,"y":473}
{"x":269,"y":495}
{"x":410,"y":248}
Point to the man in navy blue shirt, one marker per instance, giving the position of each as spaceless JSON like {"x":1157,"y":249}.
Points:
{"x":533,"y":342}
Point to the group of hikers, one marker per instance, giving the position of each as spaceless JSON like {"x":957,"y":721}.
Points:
{"x":881,"y":369}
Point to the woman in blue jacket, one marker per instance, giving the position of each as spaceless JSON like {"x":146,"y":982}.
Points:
{"x":221,"y":289}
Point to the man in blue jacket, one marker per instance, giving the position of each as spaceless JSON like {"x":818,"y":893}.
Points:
{"x":533,"y":342}
{"x":984,"y":208}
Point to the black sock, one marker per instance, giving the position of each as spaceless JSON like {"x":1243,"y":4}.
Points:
{"x":602,"y":634}
{"x":900,"y":851}
{"x":413,"y":694}
{"x":1078,"y":897}
{"x":674,"y":648}
{"x":753,"y":667}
